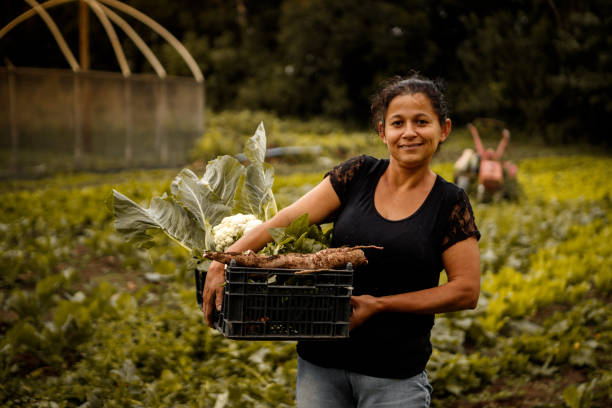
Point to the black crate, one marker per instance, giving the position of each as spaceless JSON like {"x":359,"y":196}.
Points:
{"x":277,"y":304}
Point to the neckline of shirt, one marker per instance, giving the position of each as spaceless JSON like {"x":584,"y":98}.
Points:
{"x":373,"y":192}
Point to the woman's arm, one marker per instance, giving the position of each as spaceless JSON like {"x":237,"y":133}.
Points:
{"x":319,"y":203}
{"x":462,"y":264}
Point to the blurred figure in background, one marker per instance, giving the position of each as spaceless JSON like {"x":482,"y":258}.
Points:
{"x":466,"y":169}
{"x":495,"y":179}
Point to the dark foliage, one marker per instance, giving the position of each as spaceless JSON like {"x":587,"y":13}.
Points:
{"x":542,"y":67}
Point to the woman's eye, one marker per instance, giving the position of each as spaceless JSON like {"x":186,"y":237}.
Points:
{"x":422,"y":122}
{"x":396,"y":123}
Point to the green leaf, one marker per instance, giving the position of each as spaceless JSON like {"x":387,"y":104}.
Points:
{"x":277,"y":234}
{"x":163,"y":214}
{"x":127,"y":372}
{"x":24,"y":335}
{"x":199,"y":198}
{"x":299,"y":243}
{"x":48,"y":286}
{"x":211,"y":198}
{"x":254,"y":194}
{"x":571,"y":396}
{"x":299,"y":226}
{"x":255,"y":148}
{"x":584,"y":357}
{"x":223,"y":175}
{"x":286,"y":240}
{"x":305,"y":244}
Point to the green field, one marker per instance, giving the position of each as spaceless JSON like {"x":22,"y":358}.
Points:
{"x":88,"y":320}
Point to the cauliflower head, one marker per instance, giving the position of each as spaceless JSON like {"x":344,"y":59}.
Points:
{"x":231,"y":228}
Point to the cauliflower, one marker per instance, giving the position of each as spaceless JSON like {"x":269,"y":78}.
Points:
{"x":231,"y":228}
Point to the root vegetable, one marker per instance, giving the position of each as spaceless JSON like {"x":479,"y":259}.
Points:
{"x":325,"y":259}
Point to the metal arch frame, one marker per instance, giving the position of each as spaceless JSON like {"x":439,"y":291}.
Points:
{"x":112,"y":36}
{"x":102,"y":12}
{"x":159,"y":29}
{"x":137,"y":40}
{"x":59,"y":38}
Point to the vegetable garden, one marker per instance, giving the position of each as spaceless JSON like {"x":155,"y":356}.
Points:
{"x":88,"y":320}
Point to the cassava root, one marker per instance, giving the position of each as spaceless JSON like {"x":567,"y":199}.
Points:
{"x":325,"y":259}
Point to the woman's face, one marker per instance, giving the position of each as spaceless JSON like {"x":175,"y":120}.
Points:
{"x":412,"y":130}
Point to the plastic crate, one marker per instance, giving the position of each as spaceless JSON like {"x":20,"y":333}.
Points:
{"x":277,"y":304}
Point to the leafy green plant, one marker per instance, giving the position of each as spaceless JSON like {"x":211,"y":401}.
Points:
{"x":195,"y":205}
{"x":299,"y":236}
{"x":579,"y":396}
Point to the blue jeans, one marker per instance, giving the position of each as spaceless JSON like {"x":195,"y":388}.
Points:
{"x":320,"y":387}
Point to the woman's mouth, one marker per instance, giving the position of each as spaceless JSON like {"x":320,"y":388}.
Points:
{"x":410,"y":146}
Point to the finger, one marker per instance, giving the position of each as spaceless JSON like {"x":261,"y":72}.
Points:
{"x":219,"y":298}
{"x":352,"y":322}
{"x":203,"y":299}
{"x":208,"y":310}
{"x":209,"y":316}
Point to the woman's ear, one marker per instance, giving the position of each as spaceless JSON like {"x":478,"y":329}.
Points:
{"x":381,"y":131}
{"x":446,"y":129}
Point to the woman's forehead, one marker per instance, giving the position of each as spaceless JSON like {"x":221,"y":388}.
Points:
{"x":412,"y":102}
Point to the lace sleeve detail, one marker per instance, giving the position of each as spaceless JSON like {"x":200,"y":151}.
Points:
{"x":461,"y":224}
{"x":341,"y":175}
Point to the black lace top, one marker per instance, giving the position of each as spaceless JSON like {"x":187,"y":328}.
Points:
{"x":391,"y":345}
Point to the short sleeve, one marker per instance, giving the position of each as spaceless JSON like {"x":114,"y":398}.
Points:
{"x":342,"y":175}
{"x":461,"y":224}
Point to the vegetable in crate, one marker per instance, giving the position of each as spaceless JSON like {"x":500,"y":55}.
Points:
{"x":324,"y":259}
{"x":231,"y":228}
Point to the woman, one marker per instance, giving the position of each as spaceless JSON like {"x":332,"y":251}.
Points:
{"x":424,"y":223}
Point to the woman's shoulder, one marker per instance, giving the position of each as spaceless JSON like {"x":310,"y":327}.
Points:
{"x":352,"y":172}
{"x":447,"y":186}
{"x":450,"y":192}
{"x":363,"y":160}
{"x":355,"y":166}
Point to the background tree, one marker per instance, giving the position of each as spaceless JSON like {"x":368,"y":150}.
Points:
{"x":539,"y":66}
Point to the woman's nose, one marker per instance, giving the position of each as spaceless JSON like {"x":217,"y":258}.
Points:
{"x":409,"y":131}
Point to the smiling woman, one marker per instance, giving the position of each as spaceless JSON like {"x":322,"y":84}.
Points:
{"x":423,"y":223}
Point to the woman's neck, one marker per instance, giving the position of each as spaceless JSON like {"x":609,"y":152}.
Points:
{"x":402,"y":178}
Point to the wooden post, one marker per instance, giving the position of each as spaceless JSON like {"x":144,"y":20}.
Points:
{"x":161,"y":140}
{"x":200,"y":108}
{"x":78,"y":136}
{"x":13,"y":119}
{"x":85,"y":62}
{"x":127,"y":100}
{"x":84,"y":55}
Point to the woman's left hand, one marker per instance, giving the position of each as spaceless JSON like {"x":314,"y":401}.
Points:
{"x":363,"y":307}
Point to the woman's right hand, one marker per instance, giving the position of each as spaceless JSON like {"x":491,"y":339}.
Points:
{"x":362,"y":308}
{"x":213,"y":291}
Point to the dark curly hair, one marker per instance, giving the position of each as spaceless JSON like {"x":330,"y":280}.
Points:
{"x":397,"y":85}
